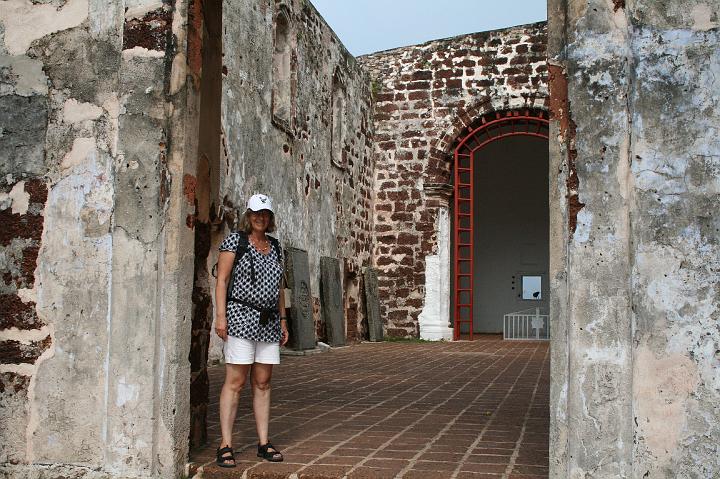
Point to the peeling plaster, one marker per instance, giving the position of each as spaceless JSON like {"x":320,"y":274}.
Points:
{"x":613,"y":354}
{"x":113,"y":108}
{"x":583,"y":227}
{"x":18,"y":198}
{"x":702,"y":15}
{"x":24,"y":336}
{"x":27,"y":75}
{"x":25,"y":21}
{"x":71,"y":284}
{"x":178,"y":73}
{"x":33,"y":418}
{"x":81,"y":149}
{"x":27,"y":295}
{"x":125,"y":393}
{"x":75,"y":111}
{"x":139,"y":11}
{"x":669,"y":277}
{"x":22,"y":369}
{"x":141,"y":52}
{"x":664,"y":384}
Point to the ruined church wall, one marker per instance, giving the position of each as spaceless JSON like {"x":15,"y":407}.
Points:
{"x":426,"y":96}
{"x":314,"y":160}
{"x":93,"y":363}
{"x":636,"y":306}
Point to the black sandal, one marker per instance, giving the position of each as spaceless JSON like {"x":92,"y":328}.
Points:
{"x":274,"y":456}
{"x":224,"y":455}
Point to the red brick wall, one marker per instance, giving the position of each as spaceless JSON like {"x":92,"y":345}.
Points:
{"x":20,"y":240}
{"x":20,"y":237}
{"x":425,"y":97}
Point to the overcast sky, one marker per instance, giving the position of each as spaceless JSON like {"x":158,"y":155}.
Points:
{"x":367,"y":26}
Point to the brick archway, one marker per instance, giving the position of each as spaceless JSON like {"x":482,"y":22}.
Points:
{"x":486,"y":129}
{"x":469,"y":117}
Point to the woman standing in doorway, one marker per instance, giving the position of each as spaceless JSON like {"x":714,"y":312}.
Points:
{"x":251,"y":321}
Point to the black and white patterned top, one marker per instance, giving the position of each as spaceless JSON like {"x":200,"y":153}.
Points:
{"x":264,"y":292}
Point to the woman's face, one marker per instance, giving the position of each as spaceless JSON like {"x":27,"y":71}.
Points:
{"x":259,"y":220}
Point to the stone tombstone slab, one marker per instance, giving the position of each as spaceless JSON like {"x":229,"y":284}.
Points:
{"x":331,"y":301}
{"x":372,"y":304}
{"x":301,"y":310}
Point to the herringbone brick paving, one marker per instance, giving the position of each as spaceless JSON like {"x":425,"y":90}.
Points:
{"x":399,"y":410}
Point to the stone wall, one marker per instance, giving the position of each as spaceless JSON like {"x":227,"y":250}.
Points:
{"x":636,"y":255}
{"x":313,"y":156}
{"x":426,"y":97}
{"x":91,"y":96}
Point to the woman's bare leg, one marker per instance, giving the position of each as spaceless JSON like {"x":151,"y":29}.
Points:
{"x":260,"y":380}
{"x":235,"y":376}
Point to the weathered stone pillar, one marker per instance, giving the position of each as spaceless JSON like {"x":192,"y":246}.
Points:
{"x":331,"y":300}
{"x":301,"y":311}
{"x":634,"y":101}
{"x":103,"y":383}
{"x":598,"y":319}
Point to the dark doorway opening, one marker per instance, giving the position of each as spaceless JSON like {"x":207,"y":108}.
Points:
{"x":501,"y":221}
{"x":204,"y":104}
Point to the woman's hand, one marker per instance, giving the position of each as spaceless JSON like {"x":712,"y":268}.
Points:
{"x":221,"y":328}
{"x":284,"y":332}
{"x":225,"y":264}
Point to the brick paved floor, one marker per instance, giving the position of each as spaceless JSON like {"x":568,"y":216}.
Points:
{"x":407,"y":410}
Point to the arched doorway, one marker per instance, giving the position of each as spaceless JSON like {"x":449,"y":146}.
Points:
{"x":518,"y":276}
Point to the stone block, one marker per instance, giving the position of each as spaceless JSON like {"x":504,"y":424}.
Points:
{"x":372,"y":304}
{"x":301,"y":318}
{"x":331,"y":300}
{"x":13,"y":416}
{"x":23,"y":124}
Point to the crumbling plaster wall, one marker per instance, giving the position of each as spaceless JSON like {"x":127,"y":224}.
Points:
{"x":426,"y":98}
{"x":95,"y":270}
{"x":636,"y":342}
{"x":321,"y":205}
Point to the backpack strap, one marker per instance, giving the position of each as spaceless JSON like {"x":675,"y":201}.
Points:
{"x":276,"y":245}
{"x":242,"y":247}
{"x":278,"y":251}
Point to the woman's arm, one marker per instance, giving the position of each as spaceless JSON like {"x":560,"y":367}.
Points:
{"x":283,"y":318}
{"x":225,"y":264}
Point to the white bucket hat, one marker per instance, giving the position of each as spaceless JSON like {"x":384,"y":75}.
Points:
{"x":260,"y":202}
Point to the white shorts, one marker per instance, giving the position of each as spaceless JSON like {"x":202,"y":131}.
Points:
{"x":247,"y":351}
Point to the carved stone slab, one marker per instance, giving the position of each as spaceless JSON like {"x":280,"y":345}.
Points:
{"x":372,"y":304}
{"x":331,"y":301}
{"x":302,"y":328}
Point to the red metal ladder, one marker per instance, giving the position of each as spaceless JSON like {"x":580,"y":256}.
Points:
{"x":463,"y":243}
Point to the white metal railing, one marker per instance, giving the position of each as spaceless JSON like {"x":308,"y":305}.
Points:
{"x":528,"y":324}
